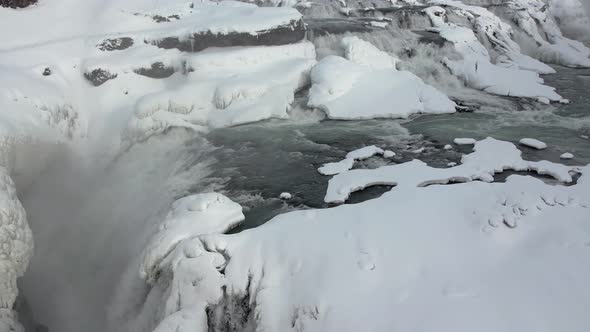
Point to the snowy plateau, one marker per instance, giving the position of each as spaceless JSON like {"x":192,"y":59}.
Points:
{"x":294,"y":165}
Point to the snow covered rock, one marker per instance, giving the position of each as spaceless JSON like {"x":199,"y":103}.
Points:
{"x":499,"y":35}
{"x":227,"y":87}
{"x":534,"y":18}
{"x":285,"y":196}
{"x":366,"y":85}
{"x":364,"y":153}
{"x":533,"y":143}
{"x":476,"y":68}
{"x":567,"y":155}
{"x":490,"y":156}
{"x":196,"y":214}
{"x":348,"y":162}
{"x":16,"y":241}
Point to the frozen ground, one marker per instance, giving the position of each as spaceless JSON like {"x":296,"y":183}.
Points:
{"x":185,"y":166}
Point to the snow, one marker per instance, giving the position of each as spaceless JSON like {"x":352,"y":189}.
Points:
{"x":546,"y":101}
{"x":195,"y":214}
{"x":349,"y":88}
{"x":227,"y":88}
{"x":476,"y":68}
{"x":499,"y":34}
{"x":16,"y":241}
{"x":285,"y":195}
{"x":336,"y":167}
{"x":464,"y":141}
{"x":388,"y":154}
{"x":567,"y":155}
{"x":535,"y":20}
{"x":364,"y":53}
{"x":533,"y":143}
{"x":348,"y":162}
{"x":490,"y":156}
{"x":9,"y":321}
{"x":471,"y":264}
{"x":134,"y":17}
{"x":364,"y":153}
{"x":417,"y":151}
{"x":296,"y":282}
{"x":379,"y":24}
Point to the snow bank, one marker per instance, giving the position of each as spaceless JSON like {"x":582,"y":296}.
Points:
{"x":489,"y":157}
{"x":227,"y":87}
{"x":149,"y":20}
{"x":296,"y":272}
{"x":476,"y":68}
{"x":366,"y":85}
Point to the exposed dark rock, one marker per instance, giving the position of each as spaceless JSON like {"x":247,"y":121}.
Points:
{"x":234,"y":313}
{"x":157,"y":70}
{"x":115,"y":44}
{"x":160,"y":18}
{"x":99,"y":76}
{"x":286,"y":34}
{"x":17,"y":3}
{"x":46,"y":72}
{"x":465,"y":107}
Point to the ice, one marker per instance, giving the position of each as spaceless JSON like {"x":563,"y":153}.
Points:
{"x":567,"y":155}
{"x":476,"y":68}
{"x":533,"y":143}
{"x":16,"y":240}
{"x":448,"y":147}
{"x":400,"y":255}
{"x":349,"y":88}
{"x":490,"y":156}
{"x":464,"y":141}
